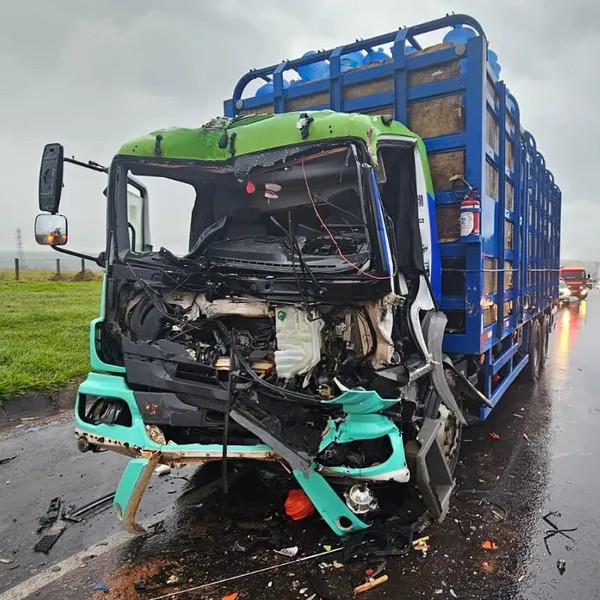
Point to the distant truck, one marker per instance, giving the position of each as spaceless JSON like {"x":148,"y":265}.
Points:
{"x":373,"y":258}
{"x":576,"y":279}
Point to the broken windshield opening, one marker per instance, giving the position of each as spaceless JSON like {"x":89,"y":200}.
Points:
{"x":271,"y":212}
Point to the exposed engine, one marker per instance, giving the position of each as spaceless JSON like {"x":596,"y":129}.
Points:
{"x":293,"y":348}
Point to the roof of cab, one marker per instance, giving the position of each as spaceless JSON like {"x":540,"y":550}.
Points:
{"x":223,"y":138}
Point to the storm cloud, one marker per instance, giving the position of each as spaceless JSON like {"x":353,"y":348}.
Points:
{"x":94,"y":74}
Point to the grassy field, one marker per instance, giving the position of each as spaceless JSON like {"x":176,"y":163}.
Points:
{"x":44,"y":329}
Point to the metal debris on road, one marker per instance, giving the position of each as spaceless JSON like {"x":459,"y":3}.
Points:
{"x":561,"y":565}
{"x":78,"y":514}
{"x":7,"y":459}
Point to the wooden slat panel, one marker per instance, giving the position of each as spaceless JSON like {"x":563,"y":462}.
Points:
{"x":434,"y":73}
{"x":448,"y":222}
{"x":444,"y":165}
{"x":438,"y":116}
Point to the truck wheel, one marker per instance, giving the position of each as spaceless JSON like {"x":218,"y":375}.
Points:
{"x":545,"y":338}
{"x":535,"y":345}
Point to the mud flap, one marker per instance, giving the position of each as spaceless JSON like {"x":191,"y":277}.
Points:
{"x":330,"y":506}
{"x":132,"y":486}
{"x":434,"y":479}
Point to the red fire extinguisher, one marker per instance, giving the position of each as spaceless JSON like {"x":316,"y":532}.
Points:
{"x":470,"y":208}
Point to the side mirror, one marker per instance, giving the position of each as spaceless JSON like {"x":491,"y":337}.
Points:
{"x":51,"y":178}
{"x":51,"y":230}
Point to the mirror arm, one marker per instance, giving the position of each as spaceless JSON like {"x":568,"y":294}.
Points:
{"x":99,"y":260}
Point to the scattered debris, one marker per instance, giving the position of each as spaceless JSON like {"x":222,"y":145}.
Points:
{"x":338,"y":565}
{"x":494,"y":435}
{"x":421,"y":545}
{"x":438,"y":592}
{"x":7,"y":459}
{"x":7,"y":561}
{"x":139,"y":584}
{"x":158,"y":527}
{"x":298,"y":505}
{"x":46,"y":542}
{"x":52,"y":513}
{"x":489,"y":545}
{"x":527,"y":438}
{"x":453,"y":593}
{"x":172,"y":580}
{"x":78,"y":514}
{"x":326,"y":547}
{"x":56,"y":568}
{"x":550,"y":533}
{"x":365,"y":587}
{"x":161,"y":470}
{"x":102,"y":587}
{"x":289,"y":552}
{"x":516,"y":415}
{"x":33,"y":429}
{"x":231,"y":596}
{"x":249,"y":574}
{"x":561,"y":565}
{"x":486,"y":567}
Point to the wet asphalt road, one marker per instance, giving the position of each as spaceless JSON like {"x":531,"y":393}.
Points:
{"x":545,"y":460}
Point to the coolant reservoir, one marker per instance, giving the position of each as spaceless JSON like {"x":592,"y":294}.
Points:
{"x":298,"y":342}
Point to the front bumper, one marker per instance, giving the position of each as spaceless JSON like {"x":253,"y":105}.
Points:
{"x":134,"y":440}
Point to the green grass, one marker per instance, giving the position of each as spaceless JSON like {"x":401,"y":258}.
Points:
{"x":44,"y":331}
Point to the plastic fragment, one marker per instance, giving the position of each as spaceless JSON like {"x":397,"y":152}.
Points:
{"x":101,"y":586}
{"x":438,"y":592}
{"x":527,"y":438}
{"x":337,"y":565}
{"x":7,"y":561}
{"x":327,"y":547}
{"x":365,"y":587}
{"x":162,"y":470}
{"x":231,"y":596}
{"x":33,"y":429}
{"x":494,"y":435}
{"x":289,"y":552}
{"x":173,"y":579}
{"x":489,"y":545}
{"x":453,"y":593}
{"x":561,"y":565}
{"x":298,"y":505}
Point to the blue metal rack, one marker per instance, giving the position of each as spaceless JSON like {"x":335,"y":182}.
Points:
{"x":492,"y":283}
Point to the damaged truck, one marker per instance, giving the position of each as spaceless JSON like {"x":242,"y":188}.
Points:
{"x":372,"y":259}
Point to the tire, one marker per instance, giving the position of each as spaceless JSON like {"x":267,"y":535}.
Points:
{"x":545,"y":339}
{"x":532,"y":370}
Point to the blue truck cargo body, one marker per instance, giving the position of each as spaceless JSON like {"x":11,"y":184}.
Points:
{"x":494,"y":284}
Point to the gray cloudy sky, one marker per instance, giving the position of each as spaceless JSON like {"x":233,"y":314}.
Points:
{"x":93,"y":74}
